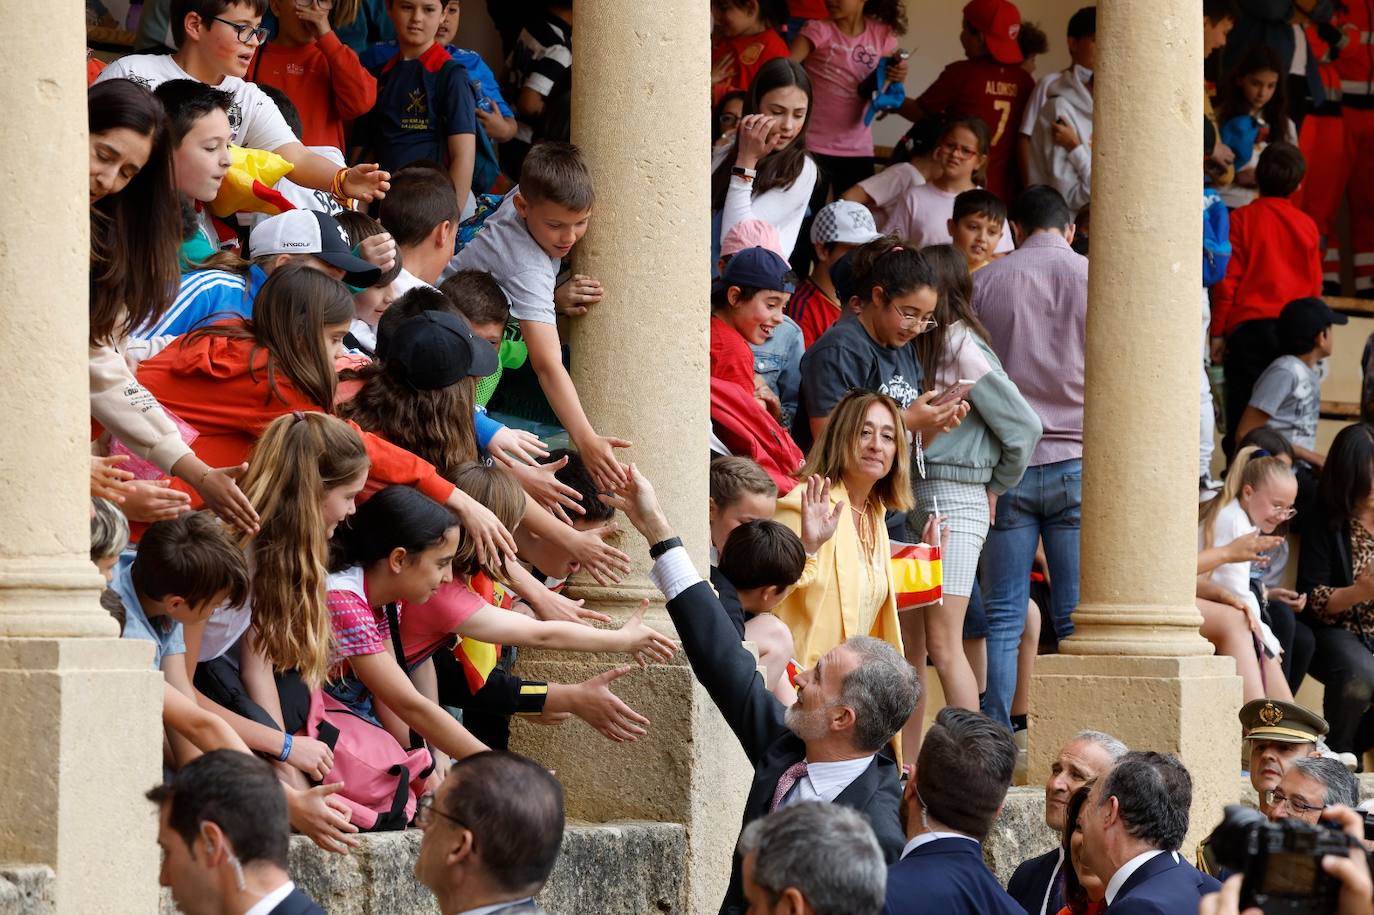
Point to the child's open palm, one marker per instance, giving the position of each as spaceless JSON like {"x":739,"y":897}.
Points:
{"x":645,"y":643}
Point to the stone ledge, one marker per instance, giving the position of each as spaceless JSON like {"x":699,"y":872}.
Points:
{"x":27,"y":890}
{"x":627,"y":868}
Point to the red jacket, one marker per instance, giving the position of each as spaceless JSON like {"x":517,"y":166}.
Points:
{"x":1276,"y":257}
{"x":206,"y":381}
{"x":326,"y":82}
{"x":744,"y":426}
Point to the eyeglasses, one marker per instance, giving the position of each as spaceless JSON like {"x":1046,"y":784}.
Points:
{"x":425,"y":811}
{"x":247,"y":34}
{"x":967,"y":151}
{"x":1273,"y":797}
{"x":1286,"y":514}
{"x":921,"y":325}
{"x":728,"y":119}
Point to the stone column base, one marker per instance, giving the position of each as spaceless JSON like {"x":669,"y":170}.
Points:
{"x":688,"y":769}
{"x":1185,"y":706}
{"x":82,"y":725}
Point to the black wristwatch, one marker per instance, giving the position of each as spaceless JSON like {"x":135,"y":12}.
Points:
{"x":663,"y":546}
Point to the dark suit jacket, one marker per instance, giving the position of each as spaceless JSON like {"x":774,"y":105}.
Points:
{"x":729,"y":599}
{"x":729,"y":672}
{"x":1031,"y":880}
{"x":297,"y":904}
{"x":946,"y":877}
{"x":1163,"y":886}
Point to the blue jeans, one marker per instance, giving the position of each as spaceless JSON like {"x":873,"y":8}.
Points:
{"x":1044,"y":505}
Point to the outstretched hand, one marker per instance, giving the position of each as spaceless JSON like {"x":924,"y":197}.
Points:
{"x":819,"y":519}
{"x":607,"y":712}
{"x":645,"y":643}
{"x":108,"y":479}
{"x":637,"y":500}
{"x":324,"y":818}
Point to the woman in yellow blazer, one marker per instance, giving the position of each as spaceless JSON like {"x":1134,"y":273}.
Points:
{"x":857,"y":471}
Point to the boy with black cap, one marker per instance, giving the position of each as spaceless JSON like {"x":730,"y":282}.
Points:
{"x":990,"y":84}
{"x":1287,"y":396}
{"x":747,"y":302}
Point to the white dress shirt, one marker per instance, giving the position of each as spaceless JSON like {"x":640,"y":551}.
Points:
{"x":926,"y":838}
{"x":1123,"y":874}
{"x":488,"y":909}
{"x":273,"y":899}
{"x":826,"y":781}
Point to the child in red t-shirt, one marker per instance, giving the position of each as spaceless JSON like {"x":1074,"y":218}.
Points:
{"x":990,"y":85}
{"x":745,"y":37}
{"x":747,"y":302}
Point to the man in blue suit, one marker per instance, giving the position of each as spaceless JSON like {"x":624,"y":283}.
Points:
{"x":961,"y":779}
{"x":1133,"y":824}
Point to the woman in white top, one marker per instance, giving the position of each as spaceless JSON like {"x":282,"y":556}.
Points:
{"x":766,"y":173}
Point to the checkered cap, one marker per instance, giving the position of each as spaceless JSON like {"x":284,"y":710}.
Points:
{"x":844,"y":222}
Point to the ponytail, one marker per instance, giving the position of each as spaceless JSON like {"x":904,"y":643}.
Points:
{"x":892,"y":265}
{"x":299,"y":457}
{"x":1250,"y":467}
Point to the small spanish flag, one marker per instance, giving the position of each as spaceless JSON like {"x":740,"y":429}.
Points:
{"x":479,"y":659}
{"x":794,"y":670}
{"x":916,"y":573}
{"x":249,"y":185}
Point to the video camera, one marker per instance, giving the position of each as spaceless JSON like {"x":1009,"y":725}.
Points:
{"x":1282,"y":861}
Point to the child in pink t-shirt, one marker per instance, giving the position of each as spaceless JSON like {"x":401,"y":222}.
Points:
{"x":839,"y":54}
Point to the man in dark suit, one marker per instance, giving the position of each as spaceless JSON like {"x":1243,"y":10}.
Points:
{"x":961,"y":779}
{"x":492,"y":835}
{"x":223,"y":829}
{"x":1036,"y":884}
{"x":1133,"y":824}
{"x":828,"y":745}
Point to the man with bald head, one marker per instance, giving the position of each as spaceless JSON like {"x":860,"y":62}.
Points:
{"x":1036,"y":884}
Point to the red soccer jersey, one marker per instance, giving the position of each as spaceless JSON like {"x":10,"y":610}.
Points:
{"x":751,"y":52}
{"x":813,"y":310}
{"x":995,"y":92}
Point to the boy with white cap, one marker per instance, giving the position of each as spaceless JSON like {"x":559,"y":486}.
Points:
{"x":837,"y":229}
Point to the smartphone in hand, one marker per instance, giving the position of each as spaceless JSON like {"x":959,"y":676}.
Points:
{"x":957,"y":391}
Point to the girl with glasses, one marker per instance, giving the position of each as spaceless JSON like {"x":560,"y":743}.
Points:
{"x":1258,"y":497}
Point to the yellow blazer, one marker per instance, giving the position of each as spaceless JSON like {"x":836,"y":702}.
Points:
{"x":823,"y":609}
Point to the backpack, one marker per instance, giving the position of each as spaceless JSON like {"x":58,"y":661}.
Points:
{"x":382,"y":781}
{"x":486,"y":170}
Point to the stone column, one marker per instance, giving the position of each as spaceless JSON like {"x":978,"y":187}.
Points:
{"x":81,"y":713}
{"x":1136,"y":665}
{"x":639,"y":360}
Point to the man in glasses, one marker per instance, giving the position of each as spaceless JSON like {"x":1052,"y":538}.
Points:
{"x":1311,"y":785}
{"x":492,"y":835}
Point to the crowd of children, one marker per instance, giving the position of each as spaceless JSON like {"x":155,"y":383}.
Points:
{"x":300,"y":495}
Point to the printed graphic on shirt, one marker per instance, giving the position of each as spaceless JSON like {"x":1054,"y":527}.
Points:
{"x":900,"y":390}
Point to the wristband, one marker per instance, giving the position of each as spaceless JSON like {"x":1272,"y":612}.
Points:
{"x":663,"y":546}
{"x":530,"y":701}
{"x":285,"y":749}
{"x":748,"y":174}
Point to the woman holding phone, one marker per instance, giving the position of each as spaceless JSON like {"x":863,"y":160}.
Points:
{"x":965,"y":470}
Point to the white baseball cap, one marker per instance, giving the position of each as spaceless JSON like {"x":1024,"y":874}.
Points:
{"x":314,"y":233}
{"x":844,"y":222}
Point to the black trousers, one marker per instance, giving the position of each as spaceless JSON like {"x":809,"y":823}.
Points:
{"x":220,"y":681}
{"x":1249,"y":350}
{"x":1297,"y":640}
{"x":1345,"y":665}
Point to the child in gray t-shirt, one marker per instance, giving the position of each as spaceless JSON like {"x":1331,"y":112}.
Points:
{"x":1287,"y":396}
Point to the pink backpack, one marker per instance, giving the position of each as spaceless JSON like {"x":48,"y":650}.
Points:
{"x":381,"y":779}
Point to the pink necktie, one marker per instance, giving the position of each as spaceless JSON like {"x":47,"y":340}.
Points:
{"x":795,"y":773}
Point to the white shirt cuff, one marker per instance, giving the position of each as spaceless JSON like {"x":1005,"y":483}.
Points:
{"x":674,"y":573}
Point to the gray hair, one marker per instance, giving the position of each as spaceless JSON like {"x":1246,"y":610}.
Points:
{"x":1341,"y":786}
{"x":826,"y":852}
{"x":1113,"y":747}
{"x":109,"y":529}
{"x":882,"y":691}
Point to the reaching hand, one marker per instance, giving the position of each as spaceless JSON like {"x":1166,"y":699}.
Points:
{"x":603,"y":562}
{"x":108,"y":480}
{"x":638,"y":502}
{"x":311,"y":756}
{"x":324,"y":818}
{"x":220,"y":489}
{"x":485,"y":529}
{"x":818,"y":519}
{"x":598,"y":455}
{"x":154,"y":500}
{"x":577,"y":294}
{"x":542,"y":484}
{"x":607,"y":712}
{"x":516,"y":446}
{"x":367,"y":182}
{"x":645,"y":643}
{"x":551,"y":606}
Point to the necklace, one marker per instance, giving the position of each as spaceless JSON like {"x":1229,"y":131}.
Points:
{"x":864,"y":526}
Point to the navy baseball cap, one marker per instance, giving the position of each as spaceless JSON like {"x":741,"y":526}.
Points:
{"x":757,"y":268}
{"x":434,"y":350}
{"x":1302,"y":319}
